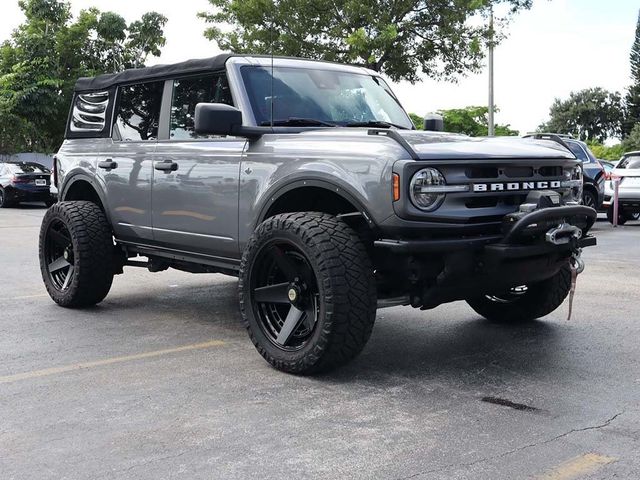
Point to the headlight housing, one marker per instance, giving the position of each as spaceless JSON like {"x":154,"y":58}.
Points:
{"x":573,"y":180}
{"x":427,"y":189}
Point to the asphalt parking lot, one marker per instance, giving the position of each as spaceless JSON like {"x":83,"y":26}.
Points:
{"x":160,"y":381}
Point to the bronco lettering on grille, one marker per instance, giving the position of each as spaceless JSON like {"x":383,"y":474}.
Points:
{"x":515,"y":186}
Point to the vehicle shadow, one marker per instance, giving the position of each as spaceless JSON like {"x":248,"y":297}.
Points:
{"x":405,"y":342}
{"x":462,"y":348}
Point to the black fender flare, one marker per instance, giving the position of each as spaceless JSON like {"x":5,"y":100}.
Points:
{"x":83,"y":177}
{"x":278,"y":191}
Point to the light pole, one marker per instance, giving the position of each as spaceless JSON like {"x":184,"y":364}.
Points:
{"x":492,"y":129}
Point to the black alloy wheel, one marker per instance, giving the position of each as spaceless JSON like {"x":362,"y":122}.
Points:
{"x":307,"y":292}
{"x":285,"y":294}
{"x":58,"y":254}
{"x":589,"y":199}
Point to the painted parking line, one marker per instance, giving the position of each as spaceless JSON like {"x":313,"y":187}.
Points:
{"x":107,"y":361}
{"x":578,"y":467}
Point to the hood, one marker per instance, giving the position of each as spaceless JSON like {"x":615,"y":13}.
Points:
{"x":453,"y":146}
{"x":438,"y":145}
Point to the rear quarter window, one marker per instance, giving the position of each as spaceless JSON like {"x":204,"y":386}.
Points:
{"x":138,"y":111}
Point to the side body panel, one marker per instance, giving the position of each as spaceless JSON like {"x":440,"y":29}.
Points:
{"x":195,"y":207}
{"x":128,"y":187}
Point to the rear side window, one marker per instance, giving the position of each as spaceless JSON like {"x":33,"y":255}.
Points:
{"x":577,"y":150}
{"x":138,"y":111}
{"x":630,"y":162}
{"x":187,"y":93}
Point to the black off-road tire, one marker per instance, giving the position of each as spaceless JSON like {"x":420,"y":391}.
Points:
{"x":539,"y":300}
{"x":346,"y":290}
{"x":91,"y":244}
{"x":622,"y":217}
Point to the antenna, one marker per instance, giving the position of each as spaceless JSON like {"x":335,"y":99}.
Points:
{"x":271,"y":48}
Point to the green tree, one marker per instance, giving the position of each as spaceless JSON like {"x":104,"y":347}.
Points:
{"x":632,"y":98}
{"x":417,"y":120}
{"x":473,"y":121}
{"x":632,"y":142}
{"x":593,"y":114}
{"x":45,"y":55}
{"x":401,"y":38}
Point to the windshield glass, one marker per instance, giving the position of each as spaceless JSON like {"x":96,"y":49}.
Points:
{"x":26,"y":168}
{"x":333,"y":97}
{"x":630,"y":162}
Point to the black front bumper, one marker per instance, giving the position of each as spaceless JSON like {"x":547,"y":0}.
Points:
{"x":460,"y":268}
{"x":509,"y":241}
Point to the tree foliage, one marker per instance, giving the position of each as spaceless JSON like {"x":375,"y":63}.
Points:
{"x":45,"y":55}
{"x":401,"y":38}
{"x":593,"y":114}
{"x":473,"y":121}
{"x":632,"y":98}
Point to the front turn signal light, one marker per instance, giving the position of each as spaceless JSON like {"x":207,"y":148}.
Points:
{"x":396,"y":187}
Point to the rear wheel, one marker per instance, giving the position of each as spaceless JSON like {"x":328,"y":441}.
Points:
{"x":527,"y":302}
{"x":5,"y":201}
{"x":76,"y":251}
{"x":307,"y":292}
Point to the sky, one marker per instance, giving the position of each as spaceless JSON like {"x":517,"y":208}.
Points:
{"x":557,"y":47}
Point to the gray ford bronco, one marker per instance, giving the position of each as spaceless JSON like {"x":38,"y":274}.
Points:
{"x":309,"y":182}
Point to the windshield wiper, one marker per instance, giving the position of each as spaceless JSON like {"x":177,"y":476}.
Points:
{"x":297,"y":122}
{"x":376,"y":124}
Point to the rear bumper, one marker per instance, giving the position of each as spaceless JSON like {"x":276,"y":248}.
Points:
{"x":28,"y":193}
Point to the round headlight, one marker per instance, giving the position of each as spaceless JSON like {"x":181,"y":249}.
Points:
{"x":424,"y":189}
{"x":574,"y":181}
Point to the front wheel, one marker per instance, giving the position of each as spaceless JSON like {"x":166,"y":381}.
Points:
{"x":76,"y":252}
{"x":307,"y":292}
{"x":589,"y":199}
{"x":622,"y":217}
{"x":527,"y":302}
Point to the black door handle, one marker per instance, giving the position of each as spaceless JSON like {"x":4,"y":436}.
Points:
{"x":107,"y":164}
{"x":166,"y":166}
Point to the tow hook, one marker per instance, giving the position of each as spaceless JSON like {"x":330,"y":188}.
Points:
{"x":563,"y":234}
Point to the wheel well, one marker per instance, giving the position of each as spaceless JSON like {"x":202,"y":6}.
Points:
{"x":83,"y":190}
{"x":311,"y":199}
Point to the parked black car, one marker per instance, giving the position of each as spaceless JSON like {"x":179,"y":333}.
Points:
{"x":594,"y":172}
{"x":24,"y":182}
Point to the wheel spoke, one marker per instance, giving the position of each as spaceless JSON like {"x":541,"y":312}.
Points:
{"x":290,"y":325}
{"x":286,"y":266}
{"x":310,"y":317}
{"x":59,"y":238}
{"x":58,"y":264}
{"x":67,"y":279}
{"x":272,"y":293}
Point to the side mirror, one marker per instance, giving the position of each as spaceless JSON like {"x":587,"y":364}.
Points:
{"x":217,"y":119}
{"x":434,"y":122}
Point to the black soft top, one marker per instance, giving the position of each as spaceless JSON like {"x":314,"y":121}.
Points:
{"x":157,"y":72}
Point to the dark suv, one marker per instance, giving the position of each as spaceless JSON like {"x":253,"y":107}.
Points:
{"x":594,"y":173}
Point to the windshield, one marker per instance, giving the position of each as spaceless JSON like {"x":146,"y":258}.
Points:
{"x":26,"y":168}
{"x":325,"y":96}
{"x":630,"y":162}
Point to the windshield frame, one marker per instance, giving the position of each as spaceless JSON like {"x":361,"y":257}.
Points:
{"x":248,"y":106}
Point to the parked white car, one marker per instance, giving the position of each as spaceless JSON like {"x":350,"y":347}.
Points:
{"x":628,"y":171}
